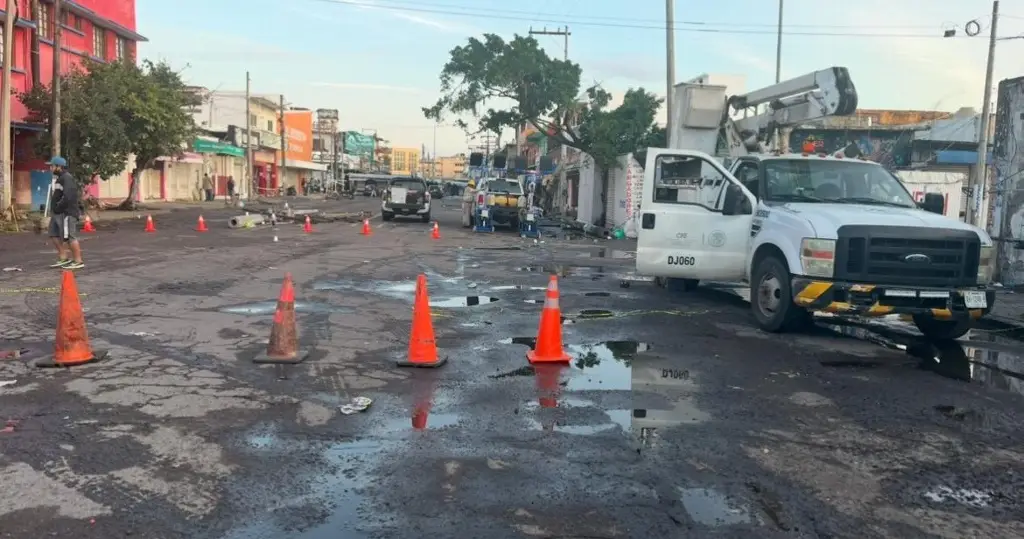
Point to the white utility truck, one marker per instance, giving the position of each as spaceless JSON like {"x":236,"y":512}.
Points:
{"x":807,"y":232}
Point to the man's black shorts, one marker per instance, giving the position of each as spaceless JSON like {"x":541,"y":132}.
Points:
{"x":64,"y":227}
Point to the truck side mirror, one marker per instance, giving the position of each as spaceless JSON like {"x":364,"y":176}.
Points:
{"x":736,"y":202}
{"x":934,"y":203}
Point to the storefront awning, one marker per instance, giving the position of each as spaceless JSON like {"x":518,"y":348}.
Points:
{"x":220,"y":148}
{"x":305,"y":165}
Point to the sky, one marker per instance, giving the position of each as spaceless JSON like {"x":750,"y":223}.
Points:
{"x":378,"y":61}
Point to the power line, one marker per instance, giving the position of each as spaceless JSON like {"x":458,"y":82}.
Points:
{"x":682,"y":26}
{"x":660,"y":23}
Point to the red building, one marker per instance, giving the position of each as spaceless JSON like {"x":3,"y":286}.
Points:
{"x":101,"y":30}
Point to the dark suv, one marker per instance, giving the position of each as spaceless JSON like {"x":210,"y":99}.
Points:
{"x":406,"y":197}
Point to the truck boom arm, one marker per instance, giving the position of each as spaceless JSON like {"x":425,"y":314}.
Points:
{"x":829,"y":92}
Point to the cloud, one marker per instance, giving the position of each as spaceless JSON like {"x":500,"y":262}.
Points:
{"x":363,"y":86}
{"x":626,"y":68}
{"x":416,"y":18}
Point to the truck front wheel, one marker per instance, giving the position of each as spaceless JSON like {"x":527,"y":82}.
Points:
{"x":771,"y":298}
{"x":942,"y":330}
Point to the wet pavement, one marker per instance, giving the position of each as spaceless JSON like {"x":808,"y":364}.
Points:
{"x":675,"y":417}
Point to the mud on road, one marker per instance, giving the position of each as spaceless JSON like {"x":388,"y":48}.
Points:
{"x":676,"y":417}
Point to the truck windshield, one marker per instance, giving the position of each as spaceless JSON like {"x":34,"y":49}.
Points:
{"x":502,"y":186}
{"x":832,"y":180}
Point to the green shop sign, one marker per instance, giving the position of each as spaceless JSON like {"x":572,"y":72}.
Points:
{"x":222,"y":148}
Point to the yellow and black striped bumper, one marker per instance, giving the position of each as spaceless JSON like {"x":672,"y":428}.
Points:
{"x":870,"y":300}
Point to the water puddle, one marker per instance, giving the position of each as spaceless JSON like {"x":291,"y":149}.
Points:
{"x":605,"y":252}
{"x":497,"y":248}
{"x":605,"y":366}
{"x":573,"y":412}
{"x":593,"y":272}
{"x":464,"y":301}
{"x":528,"y":341}
{"x":266,"y":308}
{"x":597,"y":294}
{"x":712,"y":508}
{"x":422,"y":421}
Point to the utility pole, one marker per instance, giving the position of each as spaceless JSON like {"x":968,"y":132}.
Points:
{"x":564,"y":32}
{"x":670,"y":65}
{"x":284,"y":144}
{"x":58,"y":55}
{"x":249,"y":166}
{"x":562,"y":149}
{"x":778,"y":49}
{"x":978,"y":180}
{"x":7,"y":181}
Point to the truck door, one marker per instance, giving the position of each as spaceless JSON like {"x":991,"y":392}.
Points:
{"x":695,"y":218}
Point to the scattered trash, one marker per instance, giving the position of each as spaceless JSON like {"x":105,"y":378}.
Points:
{"x":358,"y":404}
{"x":12,"y":268}
{"x":143,"y":334}
{"x":11,"y":423}
{"x":5,"y":383}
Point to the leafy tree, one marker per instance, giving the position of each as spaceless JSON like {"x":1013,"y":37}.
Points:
{"x":112,"y":110}
{"x":92,"y":140}
{"x":508,"y":84}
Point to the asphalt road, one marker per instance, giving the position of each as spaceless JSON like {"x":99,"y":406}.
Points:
{"x":675,"y":419}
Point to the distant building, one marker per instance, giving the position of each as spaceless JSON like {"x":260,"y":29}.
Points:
{"x":452,"y":167}
{"x":405,"y":161}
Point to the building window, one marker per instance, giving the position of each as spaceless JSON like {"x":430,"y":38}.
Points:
{"x":252,"y":120}
{"x":99,"y":42}
{"x":45,"y":23}
{"x":119,"y":48}
{"x":270,"y":125}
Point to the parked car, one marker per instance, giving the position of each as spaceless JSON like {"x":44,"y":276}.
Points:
{"x":407,"y":197}
{"x":435,"y":190}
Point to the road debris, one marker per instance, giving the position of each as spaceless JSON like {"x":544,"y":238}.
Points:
{"x":358,"y":404}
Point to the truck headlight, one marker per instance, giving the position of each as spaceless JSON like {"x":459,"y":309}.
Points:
{"x":818,"y":257}
{"x":987,"y":265}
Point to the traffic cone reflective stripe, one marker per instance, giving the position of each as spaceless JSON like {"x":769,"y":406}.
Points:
{"x":87,"y":227}
{"x":422,"y":346}
{"x":201,"y":225}
{"x":71,"y":347}
{"x":283,"y":345}
{"x":549,"y":335}
{"x":150,"y":227}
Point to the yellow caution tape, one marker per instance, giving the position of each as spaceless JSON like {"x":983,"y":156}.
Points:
{"x":28,"y":290}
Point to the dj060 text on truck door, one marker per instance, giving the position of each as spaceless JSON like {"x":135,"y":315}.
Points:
{"x":812,"y":233}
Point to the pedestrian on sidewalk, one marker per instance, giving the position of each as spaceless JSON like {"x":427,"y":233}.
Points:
{"x":65,"y":201}
{"x":231,"y":189}
{"x":208,"y":187}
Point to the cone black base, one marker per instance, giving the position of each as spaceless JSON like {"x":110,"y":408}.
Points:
{"x":51,"y":363}
{"x":434,"y":365}
{"x":264,"y":359}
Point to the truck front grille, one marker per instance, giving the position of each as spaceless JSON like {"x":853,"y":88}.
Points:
{"x":907,"y":256}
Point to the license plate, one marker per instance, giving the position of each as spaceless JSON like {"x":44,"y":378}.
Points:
{"x":975,"y":300}
{"x":485,"y":214}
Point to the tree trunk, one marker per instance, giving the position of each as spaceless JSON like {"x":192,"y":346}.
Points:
{"x":130,"y":203}
{"x":604,"y":198}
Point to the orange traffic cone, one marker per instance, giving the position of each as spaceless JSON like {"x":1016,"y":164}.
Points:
{"x":201,"y":225}
{"x":308,"y":227}
{"x":366,"y":228}
{"x":436,"y":233}
{"x":547,"y":377}
{"x":87,"y":227}
{"x":72,"y":345}
{"x":150,"y":227}
{"x":422,"y":347}
{"x":283,"y":346}
{"x":549,"y":336}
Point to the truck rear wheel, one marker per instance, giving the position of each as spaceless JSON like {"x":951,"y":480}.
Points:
{"x":771,"y":298}
{"x":942,"y":330}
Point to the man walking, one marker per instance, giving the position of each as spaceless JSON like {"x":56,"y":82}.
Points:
{"x":64,"y":223}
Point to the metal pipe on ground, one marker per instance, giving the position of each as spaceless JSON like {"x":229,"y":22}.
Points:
{"x":246,"y":221}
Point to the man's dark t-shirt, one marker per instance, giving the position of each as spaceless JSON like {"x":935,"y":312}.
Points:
{"x":66,"y":196}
